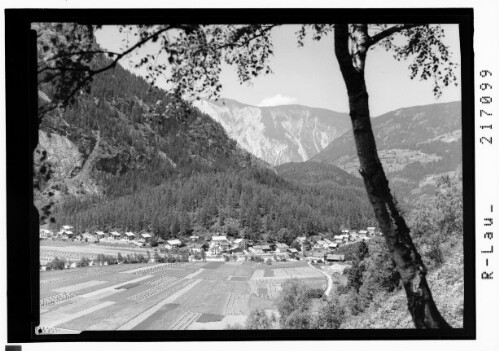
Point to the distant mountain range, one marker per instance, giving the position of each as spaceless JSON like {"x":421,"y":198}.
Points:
{"x":277,"y":134}
{"x":415,"y":145}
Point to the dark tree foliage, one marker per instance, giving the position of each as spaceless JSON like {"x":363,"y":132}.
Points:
{"x":258,"y":319}
{"x":180,"y":204}
{"x":355,"y":272}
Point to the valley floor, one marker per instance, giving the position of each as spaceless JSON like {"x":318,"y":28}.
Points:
{"x":166,"y":296}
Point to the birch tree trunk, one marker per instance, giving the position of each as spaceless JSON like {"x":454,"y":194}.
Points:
{"x":395,"y":231}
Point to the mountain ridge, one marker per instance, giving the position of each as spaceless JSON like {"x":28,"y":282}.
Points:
{"x":415,"y":145}
{"x":277,"y":134}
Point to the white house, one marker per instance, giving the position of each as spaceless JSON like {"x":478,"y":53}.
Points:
{"x":146,"y":237}
{"x":215,"y":249}
{"x":100,"y":234}
{"x":281,"y":248}
{"x":67,"y":234}
{"x":170,"y":244}
{"x":371,"y":230}
{"x":240,"y":243}
{"x":45,"y":233}
{"x":363,"y":232}
{"x":340,"y":238}
{"x":335,"y":258}
{"x":115,"y":235}
{"x":66,"y":231}
{"x":130,"y":235}
{"x":333,"y":246}
{"x":221,"y":241}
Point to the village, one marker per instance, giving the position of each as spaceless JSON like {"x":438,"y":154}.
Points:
{"x":317,"y":249}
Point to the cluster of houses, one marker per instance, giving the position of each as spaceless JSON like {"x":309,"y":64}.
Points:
{"x":322,"y":249}
{"x":67,"y":233}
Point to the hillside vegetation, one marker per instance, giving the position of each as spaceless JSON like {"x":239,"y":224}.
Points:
{"x":126,"y":156}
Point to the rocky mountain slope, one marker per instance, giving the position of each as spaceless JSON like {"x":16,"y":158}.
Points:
{"x":415,"y":145}
{"x":277,"y":134}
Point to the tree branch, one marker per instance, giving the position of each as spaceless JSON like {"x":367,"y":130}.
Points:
{"x":387,"y":32}
{"x":238,"y":36}
{"x":92,"y":73}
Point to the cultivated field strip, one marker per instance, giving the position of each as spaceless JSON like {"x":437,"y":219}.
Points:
{"x":157,"y":268}
{"x":296,"y":272}
{"x":270,"y":287}
{"x":192,"y":275}
{"x":114,"y":288}
{"x":69,"y":256}
{"x":162,"y":280}
{"x":79,"y":314}
{"x":149,"y":312}
{"x":73,"y":275}
{"x":81,"y":286}
{"x":185,"y":321}
{"x":52,"y":300}
{"x":156,"y":289}
{"x":235,"y":304}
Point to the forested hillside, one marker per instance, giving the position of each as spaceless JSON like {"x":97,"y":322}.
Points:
{"x":316,"y":172}
{"x":126,"y":156}
{"x":250,"y":203}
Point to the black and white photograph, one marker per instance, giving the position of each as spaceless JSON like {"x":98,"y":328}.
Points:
{"x":251,"y":172}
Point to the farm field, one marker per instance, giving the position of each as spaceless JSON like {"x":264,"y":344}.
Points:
{"x":75,"y":251}
{"x":165,"y":296}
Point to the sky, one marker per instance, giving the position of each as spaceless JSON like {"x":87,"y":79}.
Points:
{"x":310,"y":75}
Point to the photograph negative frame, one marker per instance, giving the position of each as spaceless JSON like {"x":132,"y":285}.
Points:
{"x":22,"y":101}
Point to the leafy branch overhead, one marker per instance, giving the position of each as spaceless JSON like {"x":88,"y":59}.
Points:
{"x":189,"y":57}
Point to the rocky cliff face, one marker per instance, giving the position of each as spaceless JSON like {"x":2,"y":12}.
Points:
{"x":277,"y":134}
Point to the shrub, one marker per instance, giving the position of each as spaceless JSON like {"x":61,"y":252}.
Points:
{"x":111,"y":259}
{"x":258,"y":319}
{"x":330,"y":315}
{"x":56,"y":263}
{"x":84,"y":262}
